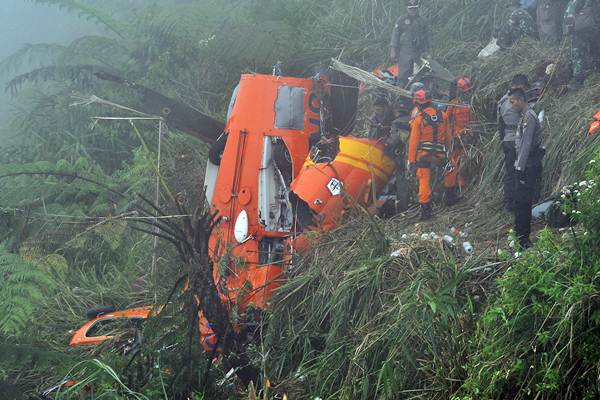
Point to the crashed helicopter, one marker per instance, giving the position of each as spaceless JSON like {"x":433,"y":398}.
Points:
{"x":282,"y":165}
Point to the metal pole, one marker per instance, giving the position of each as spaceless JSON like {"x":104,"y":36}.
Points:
{"x":157,"y":193}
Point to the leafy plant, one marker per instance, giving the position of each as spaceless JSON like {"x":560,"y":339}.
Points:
{"x":23,"y":287}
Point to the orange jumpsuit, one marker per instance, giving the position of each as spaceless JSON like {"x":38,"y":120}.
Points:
{"x":458,"y":119}
{"x":427,"y":146}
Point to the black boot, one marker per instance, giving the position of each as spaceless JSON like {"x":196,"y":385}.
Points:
{"x":451,"y":196}
{"x":525,"y":243}
{"x":426,"y":211}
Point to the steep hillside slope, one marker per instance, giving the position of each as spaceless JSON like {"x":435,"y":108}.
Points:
{"x":388,"y":309}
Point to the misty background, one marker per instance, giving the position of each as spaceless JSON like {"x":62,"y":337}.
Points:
{"x":23,"y":22}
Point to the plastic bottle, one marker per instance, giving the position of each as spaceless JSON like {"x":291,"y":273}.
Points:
{"x":468,"y":248}
{"x":448,"y":239}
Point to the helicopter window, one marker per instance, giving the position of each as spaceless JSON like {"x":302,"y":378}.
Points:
{"x":289,"y":108}
{"x":232,"y":101}
{"x":113,"y":327}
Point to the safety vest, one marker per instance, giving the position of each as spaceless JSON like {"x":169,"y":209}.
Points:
{"x":428,"y":134}
{"x":434,"y":121}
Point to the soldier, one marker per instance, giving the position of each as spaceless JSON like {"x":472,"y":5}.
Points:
{"x":410,"y":42}
{"x":549,"y":14}
{"x":529,"y":156}
{"x":519,"y":24}
{"x":581,"y":23}
{"x":508,"y":119}
{"x":382,"y":119}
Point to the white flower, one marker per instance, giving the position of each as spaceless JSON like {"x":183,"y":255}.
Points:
{"x":563,"y":196}
{"x":517,"y":254}
{"x":511,"y":244}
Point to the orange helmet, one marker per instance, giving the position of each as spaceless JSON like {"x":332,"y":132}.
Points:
{"x":464,"y":85}
{"x":594,"y":128}
{"x":421,"y":97}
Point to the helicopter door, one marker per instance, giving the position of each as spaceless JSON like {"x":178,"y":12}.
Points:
{"x":274,"y":208}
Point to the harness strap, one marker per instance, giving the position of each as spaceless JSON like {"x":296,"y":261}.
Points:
{"x":432,"y":147}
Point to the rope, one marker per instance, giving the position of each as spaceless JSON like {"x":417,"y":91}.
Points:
{"x":369,"y":79}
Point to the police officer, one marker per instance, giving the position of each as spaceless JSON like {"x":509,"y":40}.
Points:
{"x":581,"y":23}
{"x":549,"y":18}
{"x":529,"y":157}
{"x":508,"y":120}
{"x":519,"y":24}
{"x":410,"y":41}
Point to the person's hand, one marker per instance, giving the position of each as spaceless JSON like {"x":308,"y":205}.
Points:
{"x":393,"y":55}
{"x":412,"y":168}
{"x":520,"y":176}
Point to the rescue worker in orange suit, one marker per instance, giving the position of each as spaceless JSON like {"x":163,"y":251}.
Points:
{"x":427,"y":147}
{"x":459,"y":118}
{"x":595,"y":125}
{"x":410,"y":42}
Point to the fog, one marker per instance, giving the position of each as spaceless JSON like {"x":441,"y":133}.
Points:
{"x":23,"y":22}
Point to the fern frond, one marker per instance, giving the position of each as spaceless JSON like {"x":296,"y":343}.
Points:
{"x":97,"y":49}
{"x":90,"y":13}
{"x":78,"y":74}
{"x":25,"y":355}
{"x":22,"y":291}
{"x":30,"y":54}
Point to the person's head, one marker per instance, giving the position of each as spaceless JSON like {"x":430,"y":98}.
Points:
{"x":520,"y":82}
{"x":518,"y":99}
{"x":421,"y":98}
{"x":464,"y":88}
{"x":413,"y":7}
{"x":416,"y":86}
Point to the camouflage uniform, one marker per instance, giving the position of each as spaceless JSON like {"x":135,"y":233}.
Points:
{"x":585,"y":48}
{"x":410,"y":38}
{"x":549,"y":14}
{"x":520,"y":24}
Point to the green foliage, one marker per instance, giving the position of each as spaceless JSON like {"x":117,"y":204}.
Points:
{"x":539,"y":338}
{"x":352,"y":322}
{"x":23,"y":288}
{"x":357,"y":324}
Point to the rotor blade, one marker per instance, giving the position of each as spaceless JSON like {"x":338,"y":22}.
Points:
{"x":177,"y":114}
